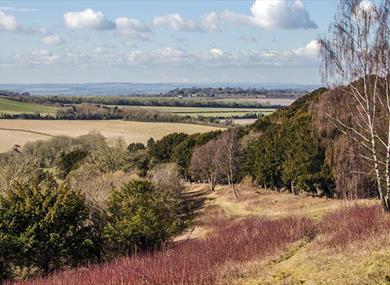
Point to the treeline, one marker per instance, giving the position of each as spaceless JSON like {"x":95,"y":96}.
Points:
{"x":97,"y":112}
{"x":11,"y":94}
{"x":235,"y":92}
{"x":301,"y":150}
{"x":141,"y":101}
{"x":286,"y":153}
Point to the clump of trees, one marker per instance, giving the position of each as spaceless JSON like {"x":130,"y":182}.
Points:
{"x":69,"y":201}
{"x":45,"y":227}
{"x":218,"y":161}
{"x":139,"y":218}
{"x":356,"y":56}
{"x":287,"y":153}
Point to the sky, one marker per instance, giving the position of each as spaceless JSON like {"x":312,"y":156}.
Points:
{"x":181,"y":41}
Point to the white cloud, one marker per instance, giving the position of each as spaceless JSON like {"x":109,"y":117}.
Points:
{"x":365,"y":7}
{"x":87,"y":19}
{"x":216,"y":52}
{"x":210,"y":22}
{"x":132,"y":28}
{"x":134,"y":56}
{"x":9,"y":8}
{"x":305,"y":56}
{"x":52,"y":39}
{"x":91,"y":19}
{"x":43,"y":56}
{"x":265,"y":14}
{"x":175,"y":22}
{"x":310,"y":50}
{"x":8,"y":22}
{"x":281,"y":14}
{"x":169,"y":55}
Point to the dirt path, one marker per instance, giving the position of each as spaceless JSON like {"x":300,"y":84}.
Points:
{"x":26,"y":131}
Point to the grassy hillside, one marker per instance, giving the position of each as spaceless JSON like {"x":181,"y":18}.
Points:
{"x":14,"y":107}
{"x":262,"y":238}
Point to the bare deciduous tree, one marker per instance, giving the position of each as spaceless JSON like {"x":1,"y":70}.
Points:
{"x":228,"y":158}
{"x":357,"y":57}
{"x":203,"y":164}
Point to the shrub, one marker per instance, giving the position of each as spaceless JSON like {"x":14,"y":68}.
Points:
{"x":70,"y":160}
{"x":162,"y":150}
{"x":194,"y":262}
{"x":138,"y":161}
{"x":17,"y":169}
{"x":96,"y":186}
{"x":47,"y":227}
{"x":133,"y":147}
{"x":166,"y":179}
{"x":138,"y":218}
{"x":357,"y":223}
{"x":109,"y":157}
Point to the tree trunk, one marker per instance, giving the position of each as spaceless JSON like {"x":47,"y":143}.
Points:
{"x":387,"y":196}
{"x":376,"y":167}
{"x":234,"y":189}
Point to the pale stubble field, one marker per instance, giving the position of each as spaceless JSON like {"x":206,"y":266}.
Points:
{"x":22,"y":131}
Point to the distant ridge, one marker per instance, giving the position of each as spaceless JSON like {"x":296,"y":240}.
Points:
{"x":124,"y":88}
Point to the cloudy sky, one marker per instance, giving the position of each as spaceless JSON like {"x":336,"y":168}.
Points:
{"x":162,"y":41}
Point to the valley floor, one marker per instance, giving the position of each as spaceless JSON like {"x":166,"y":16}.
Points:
{"x":263,"y":237}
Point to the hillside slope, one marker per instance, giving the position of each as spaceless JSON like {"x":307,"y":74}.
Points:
{"x":352,"y":253}
{"x":263,"y":237}
{"x":15,"y":107}
{"x":300,"y":148}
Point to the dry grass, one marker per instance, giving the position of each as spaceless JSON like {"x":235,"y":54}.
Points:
{"x":365,"y":262}
{"x":261,"y":238}
{"x":130,"y":131}
{"x":352,"y":245}
{"x":256,"y":202}
{"x":266,"y":203}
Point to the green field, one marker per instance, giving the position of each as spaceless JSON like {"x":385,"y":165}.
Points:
{"x":204,"y":111}
{"x":15,"y":107}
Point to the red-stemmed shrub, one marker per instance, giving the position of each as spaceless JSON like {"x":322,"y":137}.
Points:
{"x":192,"y":261}
{"x":356,"y":223}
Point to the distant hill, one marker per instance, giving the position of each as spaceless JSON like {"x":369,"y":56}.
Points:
{"x":134,"y":88}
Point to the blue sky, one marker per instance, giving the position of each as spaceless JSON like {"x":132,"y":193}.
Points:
{"x":162,"y":41}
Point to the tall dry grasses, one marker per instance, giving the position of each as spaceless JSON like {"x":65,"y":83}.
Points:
{"x":193,"y":261}
{"x":353,"y":224}
{"x":198,"y":261}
